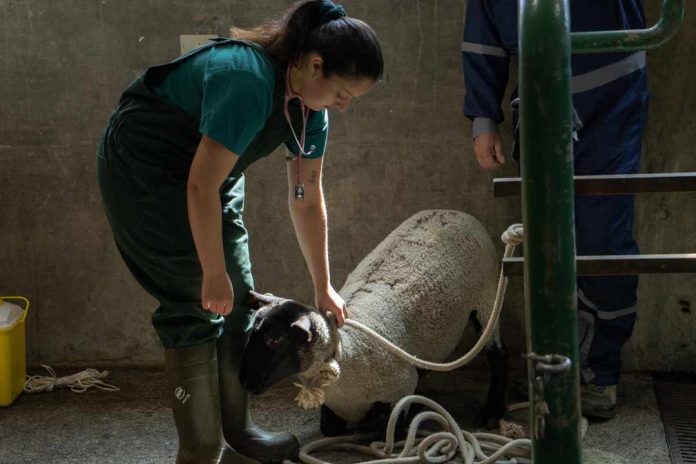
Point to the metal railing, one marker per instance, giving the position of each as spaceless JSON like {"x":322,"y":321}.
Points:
{"x":632,"y":40}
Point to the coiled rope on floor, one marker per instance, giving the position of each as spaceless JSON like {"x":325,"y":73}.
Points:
{"x":78,"y":383}
{"x":443,"y":446}
{"x":423,"y":447}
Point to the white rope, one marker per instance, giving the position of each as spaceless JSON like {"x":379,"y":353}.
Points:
{"x":78,"y":383}
{"x":512,"y":237}
{"x":439,"y":447}
{"x":422,"y":447}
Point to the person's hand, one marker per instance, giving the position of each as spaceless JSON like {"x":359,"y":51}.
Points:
{"x":217,"y":294}
{"x":330,"y":300}
{"x":489,"y":150}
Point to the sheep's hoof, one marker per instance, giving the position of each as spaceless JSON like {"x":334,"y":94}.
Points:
{"x":330,"y":424}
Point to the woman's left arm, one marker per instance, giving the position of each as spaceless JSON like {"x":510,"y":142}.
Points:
{"x":309,"y":219}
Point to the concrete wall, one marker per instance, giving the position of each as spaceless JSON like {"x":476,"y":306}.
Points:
{"x":403,"y":148}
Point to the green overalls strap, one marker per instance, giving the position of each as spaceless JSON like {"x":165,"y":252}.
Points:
{"x":143,"y":163}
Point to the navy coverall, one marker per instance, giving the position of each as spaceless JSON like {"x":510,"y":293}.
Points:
{"x":610,"y":94}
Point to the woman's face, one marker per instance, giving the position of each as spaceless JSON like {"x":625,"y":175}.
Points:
{"x":333,"y":92}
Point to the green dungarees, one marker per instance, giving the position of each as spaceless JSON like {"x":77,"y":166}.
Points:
{"x":142,"y":164}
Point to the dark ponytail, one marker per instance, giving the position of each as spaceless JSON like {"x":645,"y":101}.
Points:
{"x":348,"y":46}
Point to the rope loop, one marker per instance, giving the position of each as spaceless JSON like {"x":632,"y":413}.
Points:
{"x":512,"y":236}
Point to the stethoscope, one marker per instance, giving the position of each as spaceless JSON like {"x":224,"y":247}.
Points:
{"x":289,"y":95}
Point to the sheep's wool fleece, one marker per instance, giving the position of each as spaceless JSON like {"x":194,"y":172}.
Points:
{"x":417,"y":289}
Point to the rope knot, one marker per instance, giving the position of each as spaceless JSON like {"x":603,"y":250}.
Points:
{"x":514,"y":235}
{"x":313,"y":384}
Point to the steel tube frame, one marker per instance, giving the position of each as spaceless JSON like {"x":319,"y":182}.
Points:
{"x":671,"y":18}
{"x":611,"y":184}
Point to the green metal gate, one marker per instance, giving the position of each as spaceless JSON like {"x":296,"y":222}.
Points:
{"x":547,"y":189}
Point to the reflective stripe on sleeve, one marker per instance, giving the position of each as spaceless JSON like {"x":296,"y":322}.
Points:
{"x":606,"y":74}
{"x":484,"y":49}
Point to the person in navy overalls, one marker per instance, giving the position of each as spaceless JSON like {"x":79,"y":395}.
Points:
{"x":610,"y":95}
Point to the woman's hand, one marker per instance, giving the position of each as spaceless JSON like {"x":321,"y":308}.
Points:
{"x":217,"y":294}
{"x":211,"y":164}
{"x":330,"y":300}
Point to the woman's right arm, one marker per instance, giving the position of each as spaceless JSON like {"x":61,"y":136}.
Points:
{"x":212,"y":163}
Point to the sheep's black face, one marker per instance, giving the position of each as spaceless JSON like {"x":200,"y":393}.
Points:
{"x":275,"y":345}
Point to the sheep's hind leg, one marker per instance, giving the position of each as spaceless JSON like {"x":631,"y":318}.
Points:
{"x":497,"y":354}
{"x":330,"y":423}
{"x":496,"y":406}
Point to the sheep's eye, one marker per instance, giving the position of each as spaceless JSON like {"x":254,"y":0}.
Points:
{"x":273,"y":342}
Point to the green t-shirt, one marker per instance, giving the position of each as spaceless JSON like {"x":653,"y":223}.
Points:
{"x":229,"y":89}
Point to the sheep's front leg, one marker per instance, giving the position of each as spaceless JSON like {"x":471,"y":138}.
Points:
{"x":330,"y":423}
{"x":376,"y":420}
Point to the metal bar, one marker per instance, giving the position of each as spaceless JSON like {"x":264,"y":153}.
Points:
{"x":612,"y":184}
{"x":547,"y":211}
{"x":633,"y":40}
{"x":619,"y":264}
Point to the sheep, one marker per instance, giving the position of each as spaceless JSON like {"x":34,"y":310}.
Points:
{"x":418,"y":288}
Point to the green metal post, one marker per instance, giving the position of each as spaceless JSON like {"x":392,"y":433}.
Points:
{"x":632,"y":40}
{"x":548,"y":209}
{"x":548,"y":216}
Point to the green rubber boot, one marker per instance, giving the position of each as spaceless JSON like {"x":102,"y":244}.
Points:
{"x":238,"y":427}
{"x":195,"y":396}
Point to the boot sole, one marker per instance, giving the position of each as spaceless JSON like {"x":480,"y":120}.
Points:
{"x":270,"y":459}
{"x":604,"y":415}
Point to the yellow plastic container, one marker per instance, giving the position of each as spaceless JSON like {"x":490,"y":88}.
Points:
{"x":13,"y":360}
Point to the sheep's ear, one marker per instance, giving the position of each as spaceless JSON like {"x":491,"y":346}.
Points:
{"x":305,"y":325}
{"x":256,"y":300}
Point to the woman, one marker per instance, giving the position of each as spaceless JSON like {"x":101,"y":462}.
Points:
{"x":170,"y":172}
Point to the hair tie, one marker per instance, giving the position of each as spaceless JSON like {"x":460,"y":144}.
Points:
{"x":328,"y":11}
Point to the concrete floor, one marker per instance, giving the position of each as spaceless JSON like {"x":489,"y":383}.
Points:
{"x":134,"y":425}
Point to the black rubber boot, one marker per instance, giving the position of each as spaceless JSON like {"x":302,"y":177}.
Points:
{"x":193,"y":385}
{"x":239,"y":429}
